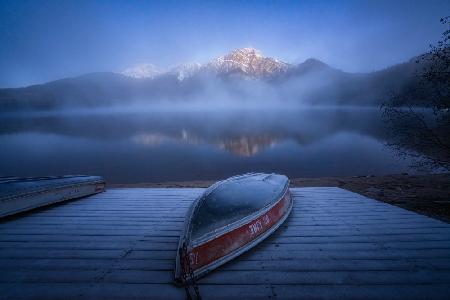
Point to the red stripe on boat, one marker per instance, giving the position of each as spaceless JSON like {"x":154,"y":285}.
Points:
{"x":225,"y":244}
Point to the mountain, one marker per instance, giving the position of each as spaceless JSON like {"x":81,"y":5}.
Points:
{"x":241,"y":75}
{"x":248,"y":62}
{"x":185,"y":70}
{"x":143,"y":71}
{"x":90,"y":90}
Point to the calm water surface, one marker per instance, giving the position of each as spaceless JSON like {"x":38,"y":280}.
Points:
{"x":132,"y":147}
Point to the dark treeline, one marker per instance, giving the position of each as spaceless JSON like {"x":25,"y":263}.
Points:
{"x":418,"y":116}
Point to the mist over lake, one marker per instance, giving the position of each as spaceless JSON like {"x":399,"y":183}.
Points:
{"x":157,"y":145}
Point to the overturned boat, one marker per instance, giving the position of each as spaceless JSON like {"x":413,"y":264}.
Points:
{"x":229,"y":218}
{"x":18,"y":194}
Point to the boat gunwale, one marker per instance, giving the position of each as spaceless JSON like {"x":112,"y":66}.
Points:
{"x":9,"y":179}
{"x":50,"y":189}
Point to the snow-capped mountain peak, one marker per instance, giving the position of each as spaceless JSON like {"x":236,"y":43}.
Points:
{"x":248,"y":61}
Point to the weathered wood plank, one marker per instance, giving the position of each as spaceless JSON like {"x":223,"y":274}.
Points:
{"x":314,"y":278}
{"x":273,"y":246}
{"x":363,"y":292}
{"x":305,"y":265}
{"x":85,"y":264}
{"x":93,"y":290}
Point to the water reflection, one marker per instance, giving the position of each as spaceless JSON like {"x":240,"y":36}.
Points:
{"x":159,"y":146}
{"x":240,"y":145}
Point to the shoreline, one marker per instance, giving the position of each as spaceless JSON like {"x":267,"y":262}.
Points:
{"x":425,"y":194}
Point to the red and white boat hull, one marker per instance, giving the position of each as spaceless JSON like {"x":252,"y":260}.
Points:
{"x":200,"y":257}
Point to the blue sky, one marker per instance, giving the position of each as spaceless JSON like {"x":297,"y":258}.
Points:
{"x":46,"y":40}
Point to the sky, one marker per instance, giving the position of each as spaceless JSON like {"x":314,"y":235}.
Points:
{"x":42,"y":41}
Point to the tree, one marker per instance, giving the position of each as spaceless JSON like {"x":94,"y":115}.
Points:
{"x":418,"y":117}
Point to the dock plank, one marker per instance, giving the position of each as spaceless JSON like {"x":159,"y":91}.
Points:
{"x":121,"y":245}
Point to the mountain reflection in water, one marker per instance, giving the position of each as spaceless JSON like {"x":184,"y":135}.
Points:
{"x":240,"y":145}
{"x":182,"y":145}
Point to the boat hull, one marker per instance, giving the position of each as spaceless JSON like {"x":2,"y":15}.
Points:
{"x":224,"y":248}
{"x":206,"y":255}
{"x":23,"y":194}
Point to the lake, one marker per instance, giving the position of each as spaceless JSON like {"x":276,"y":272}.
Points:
{"x":135,"y":146}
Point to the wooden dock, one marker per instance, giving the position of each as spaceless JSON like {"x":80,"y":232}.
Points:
{"x":122,"y":243}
